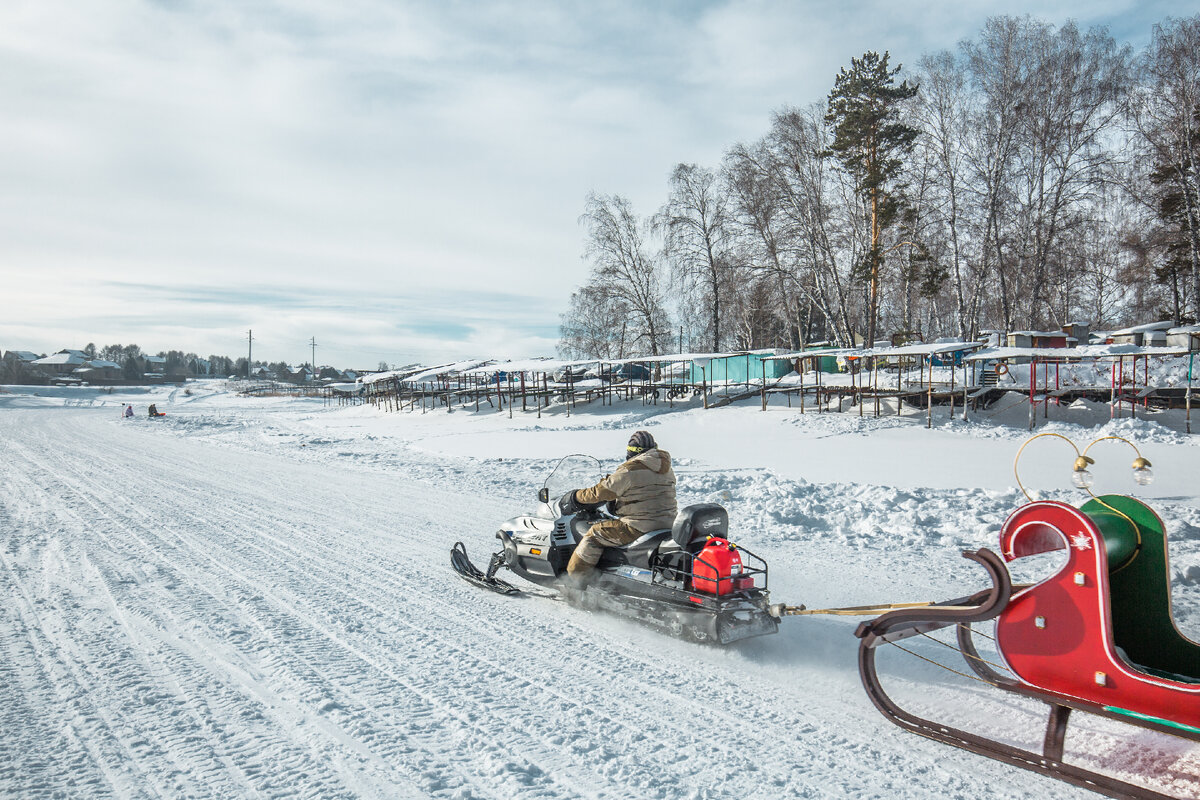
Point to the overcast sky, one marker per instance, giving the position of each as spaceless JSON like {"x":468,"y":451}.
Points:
{"x":401,"y":181}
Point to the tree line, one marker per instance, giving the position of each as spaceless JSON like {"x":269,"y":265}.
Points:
{"x":176,"y":363}
{"x":1034,"y":176}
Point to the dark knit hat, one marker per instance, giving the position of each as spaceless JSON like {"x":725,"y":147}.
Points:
{"x":640,"y":442}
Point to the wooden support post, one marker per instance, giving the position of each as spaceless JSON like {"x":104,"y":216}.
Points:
{"x":764,"y":385}
{"x":801,"y":384}
{"x":899,"y":372}
{"x":953,"y":375}
{"x":861,"y":392}
{"x":929,"y":396}
{"x":818,"y":371}
{"x":875,"y":383}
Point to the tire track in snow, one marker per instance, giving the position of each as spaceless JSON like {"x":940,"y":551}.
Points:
{"x":127,"y":524}
{"x":126,"y":683}
{"x":349,"y":650}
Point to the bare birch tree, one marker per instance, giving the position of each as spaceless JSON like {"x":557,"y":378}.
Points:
{"x":623,"y":269}
{"x":822,"y":231}
{"x":697,"y":236}
{"x":591,"y":328}
{"x":942,"y":111}
{"x":1074,"y":100}
{"x":758,"y":226}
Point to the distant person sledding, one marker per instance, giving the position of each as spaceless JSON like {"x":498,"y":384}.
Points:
{"x":154,"y":412}
{"x":128,"y":411}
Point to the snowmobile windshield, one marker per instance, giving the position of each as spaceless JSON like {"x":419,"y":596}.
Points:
{"x":573,"y":472}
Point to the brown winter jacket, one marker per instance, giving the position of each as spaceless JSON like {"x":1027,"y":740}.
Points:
{"x":641,"y":491}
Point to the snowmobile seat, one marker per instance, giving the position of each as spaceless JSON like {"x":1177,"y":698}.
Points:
{"x":638,"y":553}
{"x":694,"y":524}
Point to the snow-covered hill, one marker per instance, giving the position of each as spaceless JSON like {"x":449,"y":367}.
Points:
{"x":252,"y":598}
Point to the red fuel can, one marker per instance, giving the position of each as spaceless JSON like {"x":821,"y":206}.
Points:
{"x":717,"y":569}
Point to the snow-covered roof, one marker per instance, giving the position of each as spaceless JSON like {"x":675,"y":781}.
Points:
{"x":848,"y":352}
{"x":417,"y":372}
{"x":550,"y":365}
{"x":100,"y":363}
{"x":1153,"y":326}
{"x":928,"y":349}
{"x":155,"y":359}
{"x":1094,"y":351}
{"x":23,"y":355}
{"x":62,"y":358}
{"x":1185,"y":329}
{"x":933,"y":348}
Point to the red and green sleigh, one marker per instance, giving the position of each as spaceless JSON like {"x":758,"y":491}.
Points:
{"x":1097,"y":636}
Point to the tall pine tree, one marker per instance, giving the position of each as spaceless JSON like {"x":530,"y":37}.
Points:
{"x":870,"y":142}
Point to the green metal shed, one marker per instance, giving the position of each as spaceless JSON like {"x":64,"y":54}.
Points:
{"x":740,"y":368}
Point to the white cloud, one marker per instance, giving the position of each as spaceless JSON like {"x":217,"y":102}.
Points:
{"x":372,"y":148}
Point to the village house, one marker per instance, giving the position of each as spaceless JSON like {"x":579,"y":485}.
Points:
{"x":99,"y":370}
{"x":20,"y":356}
{"x":63,"y":362}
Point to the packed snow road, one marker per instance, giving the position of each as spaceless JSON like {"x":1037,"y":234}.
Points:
{"x":185,"y":619}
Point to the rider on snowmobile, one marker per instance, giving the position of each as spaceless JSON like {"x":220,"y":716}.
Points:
{"x":640,"y":493}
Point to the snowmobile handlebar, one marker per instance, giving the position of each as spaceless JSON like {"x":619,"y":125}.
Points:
{"x":569,"y":504}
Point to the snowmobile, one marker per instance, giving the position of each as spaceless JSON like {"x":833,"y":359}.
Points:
{"x":689,"y":580}
{"x":1097,"y":636}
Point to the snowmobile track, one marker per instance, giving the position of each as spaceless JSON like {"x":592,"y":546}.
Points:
{"x":187,"y":619}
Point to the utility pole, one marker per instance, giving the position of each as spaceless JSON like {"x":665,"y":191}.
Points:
{"x":249,"y":351}
{"x":313,"y":363}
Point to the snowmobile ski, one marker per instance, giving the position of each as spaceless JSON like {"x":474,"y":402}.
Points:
{"x":488,"y":580}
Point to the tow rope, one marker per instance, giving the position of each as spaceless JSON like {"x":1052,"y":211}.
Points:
{"x":781,"y":610}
